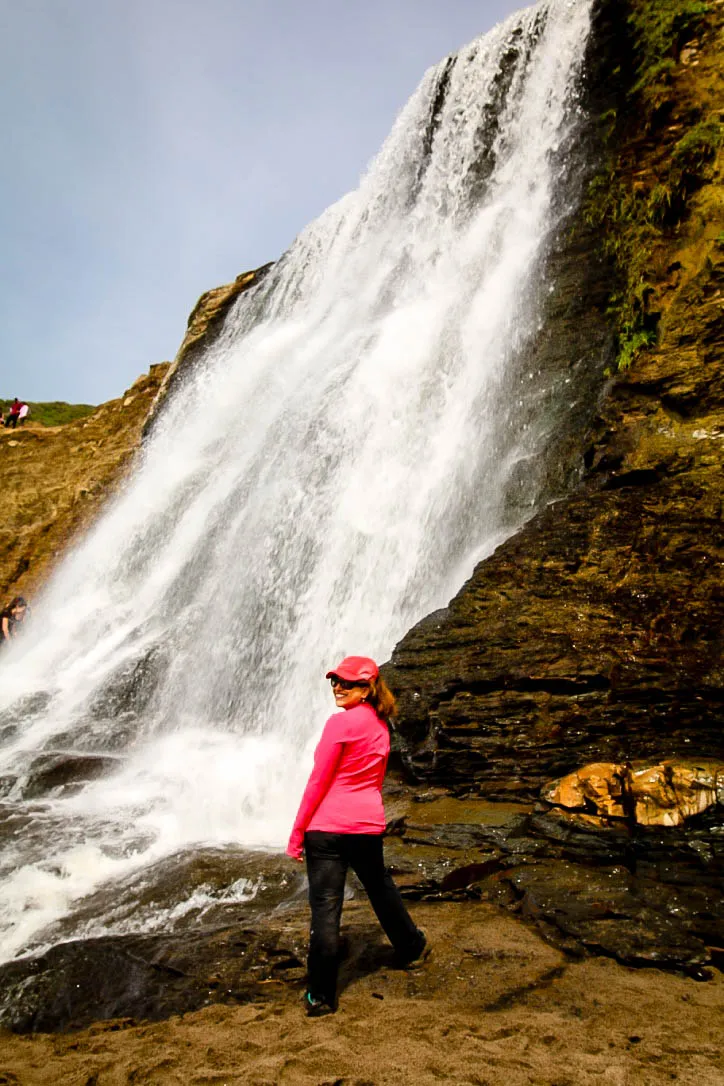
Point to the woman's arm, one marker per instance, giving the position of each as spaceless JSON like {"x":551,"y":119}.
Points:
{"x":326,"y":761}
{"x":6,"y":628}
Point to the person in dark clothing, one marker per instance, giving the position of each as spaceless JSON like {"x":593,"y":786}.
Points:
{"x":12,"y":617}
{"x":340,"y":824}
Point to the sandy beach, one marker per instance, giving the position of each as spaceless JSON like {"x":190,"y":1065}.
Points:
{"x":493,"y":1006}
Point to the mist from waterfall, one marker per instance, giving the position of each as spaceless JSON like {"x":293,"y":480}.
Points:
{"x":328,"y":474}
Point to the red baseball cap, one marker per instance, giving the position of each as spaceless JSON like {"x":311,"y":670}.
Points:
{"x":355,"y":667}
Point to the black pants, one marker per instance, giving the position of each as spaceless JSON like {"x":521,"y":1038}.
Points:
{"x":328,"y":856}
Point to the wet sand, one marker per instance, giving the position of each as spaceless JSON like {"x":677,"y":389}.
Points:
{"x":493,"y":1006}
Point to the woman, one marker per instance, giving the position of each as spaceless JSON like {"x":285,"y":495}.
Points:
{"x":11,"y":617}
{"x":340,"y":823}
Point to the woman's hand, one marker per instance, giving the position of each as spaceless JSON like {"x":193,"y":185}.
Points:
{"x":295,"y":848}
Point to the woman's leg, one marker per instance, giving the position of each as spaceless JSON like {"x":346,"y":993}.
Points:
{"x":327,"y":871}
{"x":364,"y":851}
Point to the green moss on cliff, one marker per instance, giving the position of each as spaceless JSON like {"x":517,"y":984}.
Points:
{"x":634,"y":209}
{"x":660,"y":29}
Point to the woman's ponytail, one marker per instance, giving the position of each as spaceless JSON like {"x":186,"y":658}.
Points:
{"x":381,"y":699}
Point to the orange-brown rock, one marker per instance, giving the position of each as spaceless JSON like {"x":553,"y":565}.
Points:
{"x":665,"y":794}
{"x":56,"y":479}
{"x":669,"y":793}
{"x":600,"y":784}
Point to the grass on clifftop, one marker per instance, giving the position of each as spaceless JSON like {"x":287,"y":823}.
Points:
{"x":633,"y":212}
{"x":660,"y":30}
{"x":54,"y":413}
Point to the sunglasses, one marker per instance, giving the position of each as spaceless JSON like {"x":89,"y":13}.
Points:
{"x":345,"y":684}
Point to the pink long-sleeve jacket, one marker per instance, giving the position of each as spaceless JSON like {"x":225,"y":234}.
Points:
{"x":344,"y":790}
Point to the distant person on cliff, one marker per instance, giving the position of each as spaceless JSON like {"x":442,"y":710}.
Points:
{"x":23,"y":413}
{"x":13,"y":414}
{"x":340,"y":823}
{"x":12,"y":617}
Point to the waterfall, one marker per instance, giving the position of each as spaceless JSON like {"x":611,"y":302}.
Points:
{"x":329,"y":473}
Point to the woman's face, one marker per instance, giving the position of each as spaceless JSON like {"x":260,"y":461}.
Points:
{"x":18,"y":612}
{"x":347,"y":696}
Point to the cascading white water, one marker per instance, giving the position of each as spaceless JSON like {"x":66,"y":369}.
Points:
{"x":329,"y":474}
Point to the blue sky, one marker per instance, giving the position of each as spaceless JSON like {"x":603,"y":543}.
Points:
{"x":152,"y":149}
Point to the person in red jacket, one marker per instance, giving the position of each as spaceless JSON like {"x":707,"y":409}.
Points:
{"x":340,"y":823}
{"x":14,"y":413}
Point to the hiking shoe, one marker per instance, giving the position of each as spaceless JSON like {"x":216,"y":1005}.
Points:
{"x":316,"y":1008}
{"x":422,"y":955}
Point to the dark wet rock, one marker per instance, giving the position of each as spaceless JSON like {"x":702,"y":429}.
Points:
{"x":7,"y":783}
{"x":131,"y":689}
{"x":605,"y":910}
{"x":52,"y":771}
{"x":13,"y":717}
{"x":452,"y":836}
{"x":223,"y":938}
{"x":147,"y":977}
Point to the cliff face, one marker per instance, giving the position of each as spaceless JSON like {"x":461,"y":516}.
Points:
{"x":595,"y":633}
{"x":56,"y":479}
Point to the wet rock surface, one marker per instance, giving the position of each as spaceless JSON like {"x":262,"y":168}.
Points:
{"x":638,"y":894}
{"x":204,"y":926}
{"x":203,"y":887}
{"x":62,"y":772}
{"x":145,"y":977}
